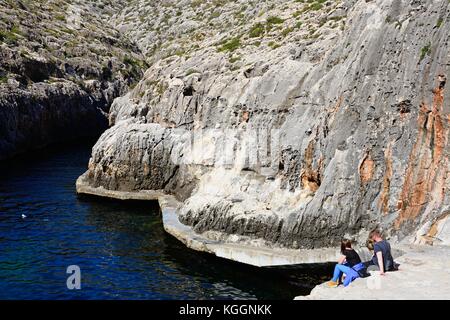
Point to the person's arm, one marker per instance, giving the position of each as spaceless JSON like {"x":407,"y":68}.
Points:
{"x":380,"y":262}
{"x":341,"y":260}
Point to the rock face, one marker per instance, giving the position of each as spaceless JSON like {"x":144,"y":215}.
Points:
{"x":296,"y":123}
{"x":61,"y":66}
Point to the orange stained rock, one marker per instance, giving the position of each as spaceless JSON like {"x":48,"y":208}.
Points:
{"x":384,"y":198}
{"x":366,"y":168}
{"x":424,"y":186}
{"x":245,"y":116}
{"x":434,"y":227}
{"x":333,"y":111}
{"x":310,"y":177}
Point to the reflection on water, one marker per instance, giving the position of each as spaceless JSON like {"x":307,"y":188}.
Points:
{"x":121,"y":247}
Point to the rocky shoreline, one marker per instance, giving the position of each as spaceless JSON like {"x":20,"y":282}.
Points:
{"x":424,"y":270}
{"x":252,"y":253}
{"x":238,"y":249}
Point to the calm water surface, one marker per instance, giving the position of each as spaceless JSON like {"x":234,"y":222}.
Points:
{"x":121,"y":248}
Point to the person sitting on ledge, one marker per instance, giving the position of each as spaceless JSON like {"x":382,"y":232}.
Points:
{"x":348,"y":264}
{"x":382,"y":257}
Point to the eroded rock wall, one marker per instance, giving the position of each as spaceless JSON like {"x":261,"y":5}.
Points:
{"x":61,"y":65}
{"x":332,"y":131}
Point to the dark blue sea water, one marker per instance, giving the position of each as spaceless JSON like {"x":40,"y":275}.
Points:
{"x":120,"y":247}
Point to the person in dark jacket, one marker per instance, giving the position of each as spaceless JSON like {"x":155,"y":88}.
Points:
{"x":382,"y":257}
{"x":348,"y":264}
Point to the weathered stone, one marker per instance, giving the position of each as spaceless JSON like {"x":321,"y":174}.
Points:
{"x":61,"y":66}
{"x":352,"y":118}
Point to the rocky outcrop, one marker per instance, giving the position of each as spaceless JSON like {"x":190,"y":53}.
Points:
{"x":61,"y":66}
{"x":301,"y":124}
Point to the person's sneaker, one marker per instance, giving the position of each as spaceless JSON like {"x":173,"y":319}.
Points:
{"x":332,"y":284}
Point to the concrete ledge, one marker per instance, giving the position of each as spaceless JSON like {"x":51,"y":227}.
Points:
{"x":256,"y":256}
{"x":83,"y":188}
{"x":169,"y":206}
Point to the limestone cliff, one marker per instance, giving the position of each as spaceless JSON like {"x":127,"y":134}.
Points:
{"x":292,"y":123}
{"x":61,"y":66}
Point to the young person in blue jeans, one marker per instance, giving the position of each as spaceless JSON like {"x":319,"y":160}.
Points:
{"x":349,"y":264}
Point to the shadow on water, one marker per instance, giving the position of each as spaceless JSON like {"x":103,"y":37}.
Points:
{"x":121,"y":247}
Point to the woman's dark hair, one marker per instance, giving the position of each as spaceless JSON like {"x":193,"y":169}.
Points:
{"x":345,"y":244}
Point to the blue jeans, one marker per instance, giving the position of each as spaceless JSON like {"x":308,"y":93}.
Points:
{"x":350,"y":274}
